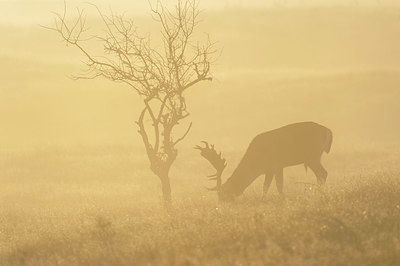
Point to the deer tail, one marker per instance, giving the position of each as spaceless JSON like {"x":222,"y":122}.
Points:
{"x":328,"y":142}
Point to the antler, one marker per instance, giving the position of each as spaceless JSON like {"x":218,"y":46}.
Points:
{"x":215,"y":159}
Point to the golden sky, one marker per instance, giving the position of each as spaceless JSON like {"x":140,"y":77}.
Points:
{"x":336,"y":66}
{"x":37,"y":11}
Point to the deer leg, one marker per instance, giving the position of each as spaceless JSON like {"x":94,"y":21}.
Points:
{"x":267,"y":183}
{"x":319,"y":171}
{"x":279,"y":181}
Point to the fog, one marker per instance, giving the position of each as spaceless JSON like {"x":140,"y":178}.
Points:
{"x":76,"y":187}
{"x":337,"y":65}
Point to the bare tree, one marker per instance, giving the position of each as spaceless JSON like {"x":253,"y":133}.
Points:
{"x":159,"y":76}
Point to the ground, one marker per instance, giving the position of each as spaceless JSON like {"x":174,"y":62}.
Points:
{"x":75,"y":184}
{"x":93,"y":206}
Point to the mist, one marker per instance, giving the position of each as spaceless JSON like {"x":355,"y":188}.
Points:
{"x":73,"y":162}
{"x":342,"y":57}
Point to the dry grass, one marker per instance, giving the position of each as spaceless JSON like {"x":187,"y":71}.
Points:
{"x":93,"y":207}
{"x":100,"y":205}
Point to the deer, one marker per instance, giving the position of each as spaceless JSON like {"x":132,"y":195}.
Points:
{"x":268,"y":154}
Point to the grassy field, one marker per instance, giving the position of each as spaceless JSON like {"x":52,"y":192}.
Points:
{"x":75,"y":188}
{"x":101,"y":206}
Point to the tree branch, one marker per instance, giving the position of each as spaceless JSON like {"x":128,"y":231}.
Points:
{"x":184,"y":135}
{"x":159,"y":75}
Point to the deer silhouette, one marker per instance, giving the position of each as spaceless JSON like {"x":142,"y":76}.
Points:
{"x":269,"y":153}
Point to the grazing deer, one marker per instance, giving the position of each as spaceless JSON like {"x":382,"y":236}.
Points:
{"x":270,"y":152}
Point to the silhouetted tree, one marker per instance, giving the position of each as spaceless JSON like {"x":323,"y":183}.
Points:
{"x":159,"y":76}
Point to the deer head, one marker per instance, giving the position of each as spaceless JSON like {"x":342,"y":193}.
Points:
{"x":216,"y":160}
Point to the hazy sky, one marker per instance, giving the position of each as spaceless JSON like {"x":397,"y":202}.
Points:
{"x":291,"y":60}
{"x":38,"y":11}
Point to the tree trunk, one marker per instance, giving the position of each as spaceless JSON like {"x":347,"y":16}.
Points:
{"x":162,"y":172}
{"x":161,"y":167}
{"x":166,"y":188}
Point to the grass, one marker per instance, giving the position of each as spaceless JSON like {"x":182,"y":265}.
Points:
{"x":106,"y":211}
{"x":102,"y":206}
